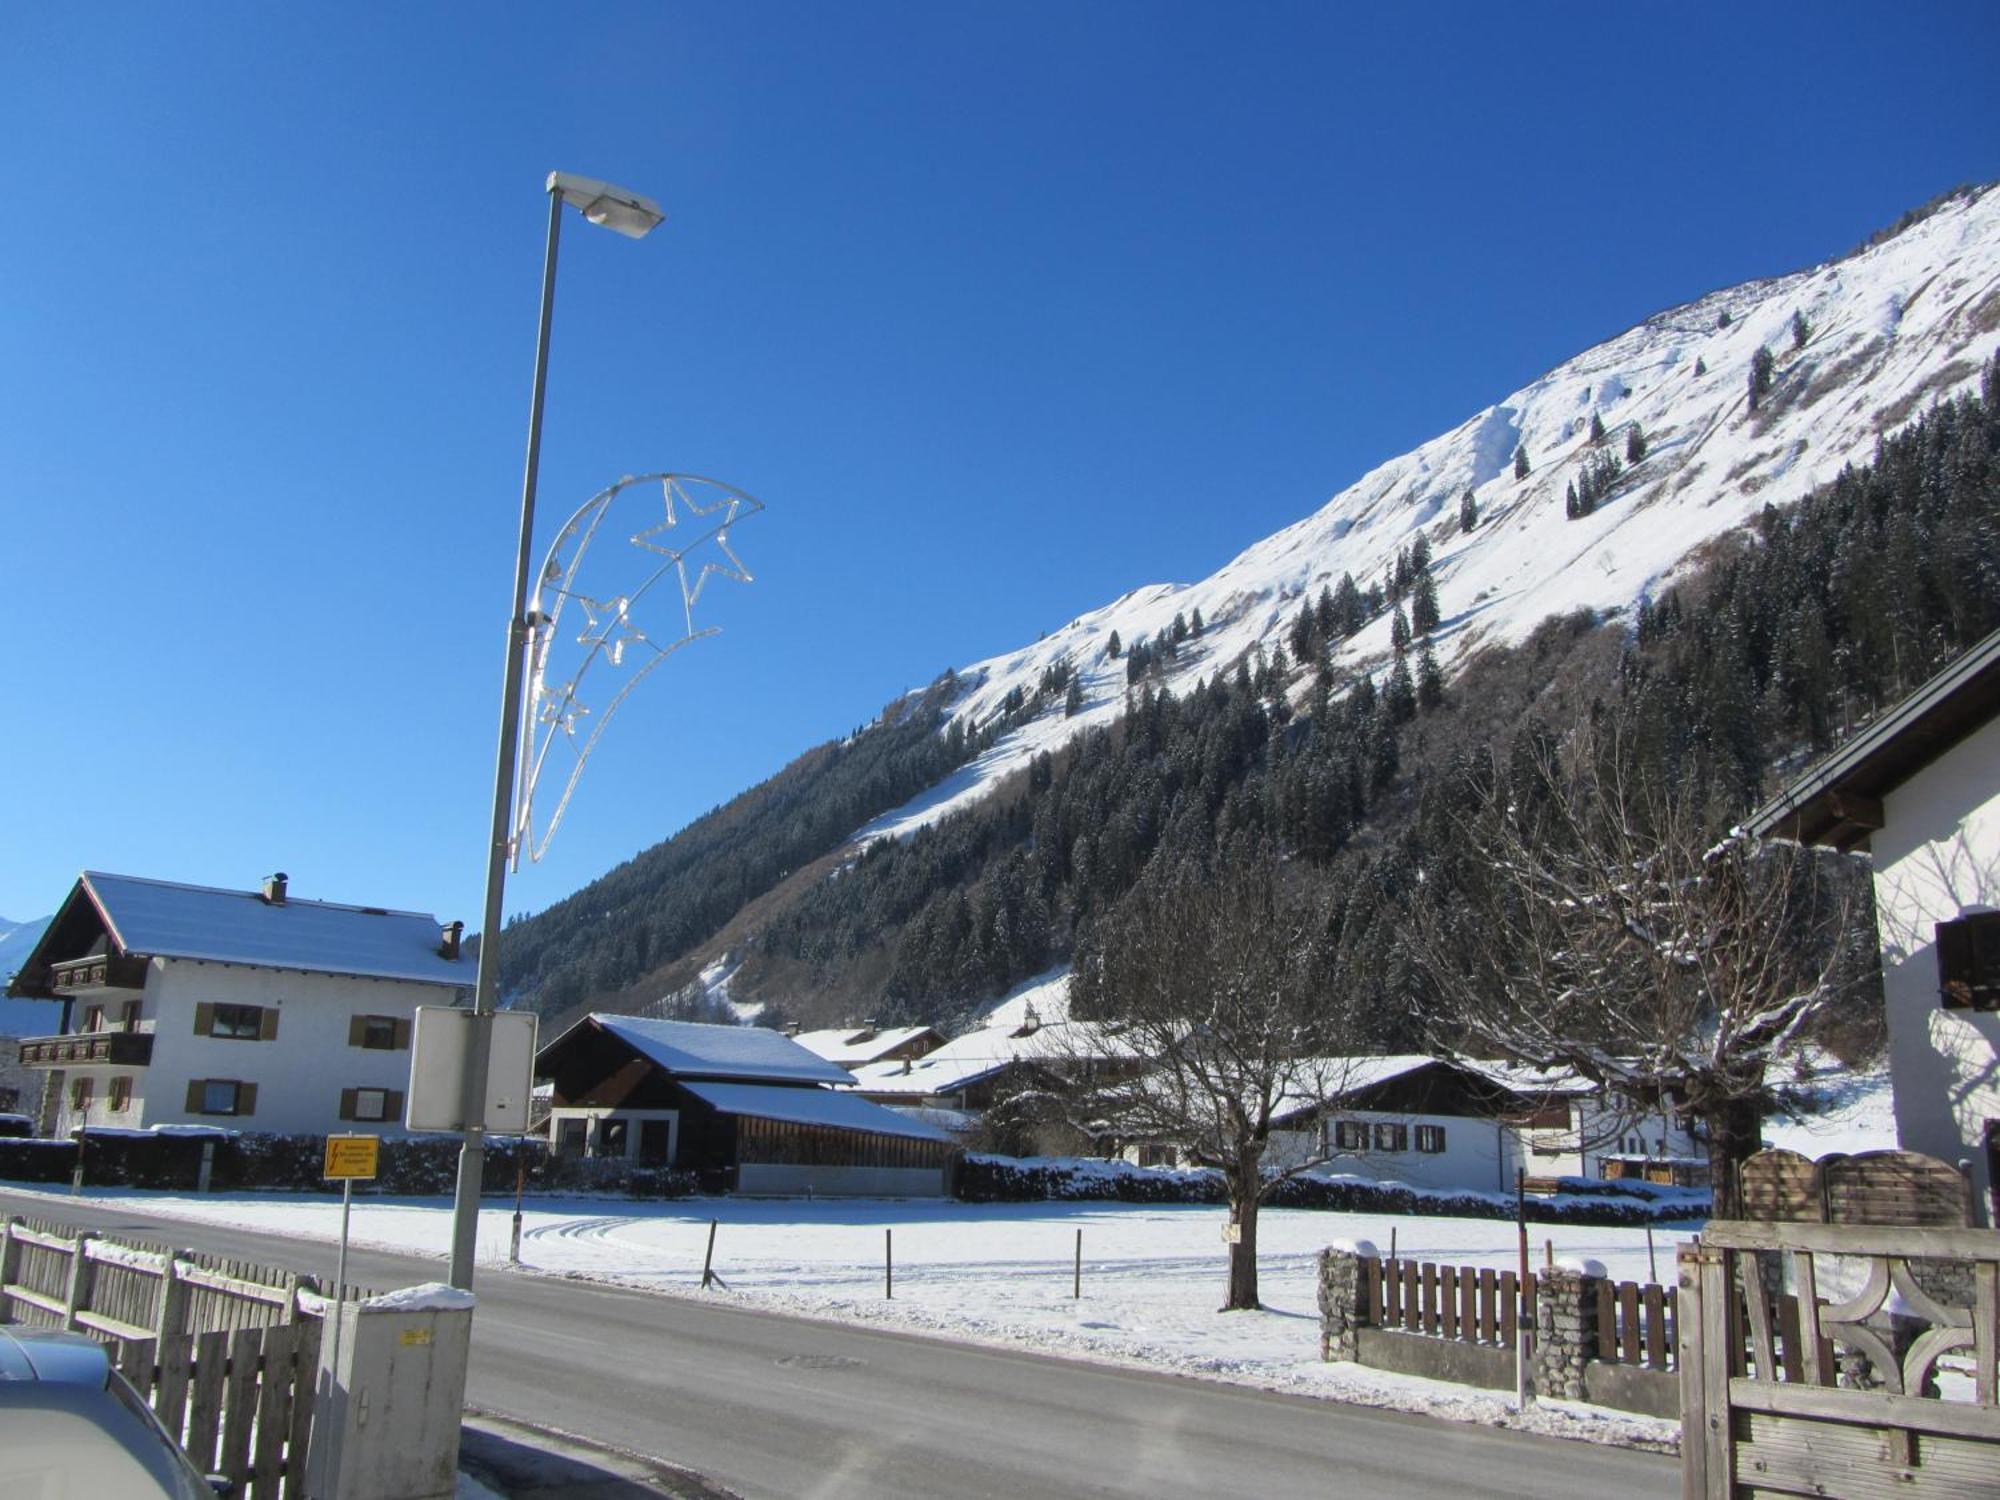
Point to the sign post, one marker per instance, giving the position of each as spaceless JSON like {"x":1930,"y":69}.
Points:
{"x":349,"y":1158}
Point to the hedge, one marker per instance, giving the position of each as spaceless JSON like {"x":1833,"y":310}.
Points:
{"x":417,"y":1166}
{"x":999,"y":1179}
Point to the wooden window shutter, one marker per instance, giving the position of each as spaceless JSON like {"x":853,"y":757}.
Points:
{"x":246,"y":1098}
{"x":347,"y":1102}
{"x":195,"y":1087}
{"x":357,"y":1033}
{"x":392,"y":1106}
{"x":402,"y":1036}
{"x":267,"y":1024}
{"x":204,"y":1019}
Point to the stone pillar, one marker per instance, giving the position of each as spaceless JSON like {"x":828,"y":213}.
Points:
{"x":1343,"y":1298}
{"x":1565,"y":1328}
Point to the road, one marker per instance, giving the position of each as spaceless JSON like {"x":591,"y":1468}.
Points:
{"x":789,"y":1409}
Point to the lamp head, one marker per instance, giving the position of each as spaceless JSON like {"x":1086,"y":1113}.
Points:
{"x":603,"y":203}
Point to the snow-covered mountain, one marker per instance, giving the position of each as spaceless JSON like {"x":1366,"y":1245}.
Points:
{"x":17,"y":941}
{"x":1889,"y":330}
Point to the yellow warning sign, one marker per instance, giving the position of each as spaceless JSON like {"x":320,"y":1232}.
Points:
{"x":414,"y":1338}
{"x":351,"y":1156}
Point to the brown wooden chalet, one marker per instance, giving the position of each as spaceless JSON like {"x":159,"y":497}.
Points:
{"x":744,"y":1108}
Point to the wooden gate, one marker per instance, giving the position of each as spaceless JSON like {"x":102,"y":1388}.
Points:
{"x":1842,"y":1360}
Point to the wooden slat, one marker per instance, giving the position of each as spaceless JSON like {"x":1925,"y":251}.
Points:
{"x":1791,"y":1351}
{"x":1695,"y":1415}
{"x":1799,"y":1456}
{"x":176,"y":1360}
{"x":211,"y":1356}
{"x":239,"y":1405}
{"x":1718,"y":1302}
{"x":1869,"y":1408}
{"x":1854,"y":1239}
{"x":305,"y":1378}
{"x":135,"y":1363}
{"x":1656,"y":1328}
{"x":1816,"y":1353}
{"x":274,"y":1398}
{"x":1468,"y":1304}
{"x":1489,"y":1312}
{"x":1750,"y":1282}
{"x":1509,"y":1309}
{"x":1412,"y":1301}
{"x":1607,"y":1321}
{"x":1444,"y":1322}
{"x":1985,"y":1331}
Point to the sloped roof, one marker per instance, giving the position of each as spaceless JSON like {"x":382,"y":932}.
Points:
{"x":857,"y":1046}
{"x":166,"y":919}
{"x":691,"y":1049}
{"x":979,"y":1054}
{"x":812,"y":1106}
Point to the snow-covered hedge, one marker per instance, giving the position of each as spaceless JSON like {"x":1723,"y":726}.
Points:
{"x":413,"y":1165}
{"x":1001,"y":1179}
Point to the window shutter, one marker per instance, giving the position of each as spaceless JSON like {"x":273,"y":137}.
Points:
{"x":347,"y":1100}
{"x":267,"y":1024}
{"x":402,"y":1036}
{"x":204,"y":1019}
{"x":392,"y":1107}
{"x":194,"y":1095}
{"x":246,"y":1098}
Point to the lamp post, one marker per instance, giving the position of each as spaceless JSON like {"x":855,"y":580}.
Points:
{"x":633,"y":216}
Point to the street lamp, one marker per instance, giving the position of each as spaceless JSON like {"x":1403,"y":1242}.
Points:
{"x":632,"y":216}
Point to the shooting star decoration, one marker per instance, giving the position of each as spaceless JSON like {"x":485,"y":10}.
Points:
{"x":690,"y":545}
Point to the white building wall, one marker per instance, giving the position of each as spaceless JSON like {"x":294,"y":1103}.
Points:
{"x":299,"y":1074}
{"x":1938,"y":859}
{"x":1473,"y":1157}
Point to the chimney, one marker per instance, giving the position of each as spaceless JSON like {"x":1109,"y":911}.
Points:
{"x":448,"y":948}
{"x":274,"y":889}
{"x":867,"y":1030}
{"x":793,"y":1028}
{"x":1030,"y":1022}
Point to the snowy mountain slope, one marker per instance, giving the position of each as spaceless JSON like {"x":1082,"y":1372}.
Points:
{"x":1892,"y":329}
{"x":17,"y":941}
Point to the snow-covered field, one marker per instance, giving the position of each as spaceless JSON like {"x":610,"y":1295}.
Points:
{"x":999,"y":1273}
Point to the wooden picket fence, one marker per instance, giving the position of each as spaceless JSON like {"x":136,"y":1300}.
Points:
{"x":240,"y":1402}
{"x":1478,"y":1305}
{"x":225,"y":1351}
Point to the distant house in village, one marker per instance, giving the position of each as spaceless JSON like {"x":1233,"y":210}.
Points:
{"x":184,"y":1004}
{"x":1455,"y":1123}
{"x":1920,"y":791}
{"x":867,"y":1045}
{"x":743,"y":1106}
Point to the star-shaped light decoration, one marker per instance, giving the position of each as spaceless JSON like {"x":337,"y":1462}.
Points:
{"x":693,"y":541}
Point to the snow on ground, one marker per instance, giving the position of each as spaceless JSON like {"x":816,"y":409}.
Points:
{"x":996,"y":1273}
{"x":1852,"y":1112}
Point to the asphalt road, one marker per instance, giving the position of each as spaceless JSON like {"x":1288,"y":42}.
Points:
{"x":779,"y":1407}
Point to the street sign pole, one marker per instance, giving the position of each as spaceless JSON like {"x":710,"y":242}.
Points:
{"x":348,"y":1158}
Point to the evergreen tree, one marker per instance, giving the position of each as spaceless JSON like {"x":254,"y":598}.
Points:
{"x":1180,"y":628}
{"x":1521,"y":461}
{"x":1722,"y":318}
{"x":1424,"y":604}
{"x":1073,"y":702}
{"x":1700,"y":366}
{"x":1430,"y":679}
{"x":1569,"y":502}
{"x":1399,"y":697}
{"x":1468,"y":511}
{"x":1112,"y":646}
{"x":1399,"y":630}
{"x":1761,"y":364}
{"x":1635,"y":444}
{"x":1195,"y":626}
{"x":1596,"y":428}
{"x":1801,"y":330}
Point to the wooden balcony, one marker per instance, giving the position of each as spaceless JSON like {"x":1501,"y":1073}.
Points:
{"x":119,"y":1049}
{"x":83,"y":976}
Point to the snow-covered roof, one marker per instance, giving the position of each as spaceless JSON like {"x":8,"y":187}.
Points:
{"x":690,"y":1049}
{"x":966,"y":1060}
{"x":165,"y":919}
{"x":858,"y":1046}
{"x":811,"y":1106}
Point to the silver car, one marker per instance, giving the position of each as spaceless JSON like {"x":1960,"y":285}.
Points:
{"x":71,"y":1428}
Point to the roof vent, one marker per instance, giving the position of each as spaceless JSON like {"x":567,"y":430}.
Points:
{"x":274,"y":889}
{"x":1030,"y":1022}
{"x":449,"y":947}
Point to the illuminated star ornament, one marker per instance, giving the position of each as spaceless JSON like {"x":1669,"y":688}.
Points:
{"x":689,"y":544}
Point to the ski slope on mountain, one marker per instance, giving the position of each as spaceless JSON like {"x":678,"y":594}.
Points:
{"x":1890,"y":330}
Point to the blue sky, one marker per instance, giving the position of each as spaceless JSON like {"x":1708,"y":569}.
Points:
{"x":1003,"y":310}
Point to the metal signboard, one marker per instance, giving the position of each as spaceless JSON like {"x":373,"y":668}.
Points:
{"x":438,"y":1048}
{"x":352,"y":1157}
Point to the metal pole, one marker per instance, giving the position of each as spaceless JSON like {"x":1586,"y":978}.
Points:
{"x":1521,"y":1392}
{"x":520,"y":1186}
{"x":889,"y":1263}
{"x":1076,"y":1285}
{"x":329,"y":1461}
{"x":472,"y":1156}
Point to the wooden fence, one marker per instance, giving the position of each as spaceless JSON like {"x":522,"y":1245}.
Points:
{"x":240,"y":1402}
{"x":1478,"y":1305}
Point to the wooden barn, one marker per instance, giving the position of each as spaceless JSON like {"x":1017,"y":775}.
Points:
{"x":745,"y":1107}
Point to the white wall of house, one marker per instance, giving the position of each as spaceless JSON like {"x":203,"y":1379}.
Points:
{"x":1937,"y":858}
{"x":300,"y":1073}
{"x":592,"y":1118}
{"x":1470,"y":1156}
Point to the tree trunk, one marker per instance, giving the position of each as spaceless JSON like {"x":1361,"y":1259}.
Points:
{"x":1245,"y":1183}
{"x":1735,"y":1134}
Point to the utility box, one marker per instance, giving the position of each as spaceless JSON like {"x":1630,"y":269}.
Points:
{"x":390,"y":1399}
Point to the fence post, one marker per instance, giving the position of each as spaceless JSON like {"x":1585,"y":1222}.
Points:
{"x":78,"y":1297}
{"x":170,"y":1318}
{"x":10,"y":1263}
{"x":1343,"y":1298}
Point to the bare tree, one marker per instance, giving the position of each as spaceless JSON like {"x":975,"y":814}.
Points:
{"x":1226,"y":987}
{"x":1593,"y":923}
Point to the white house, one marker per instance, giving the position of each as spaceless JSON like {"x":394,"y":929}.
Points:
{"x":248,"y":1009}
{"x":1920,"y":791}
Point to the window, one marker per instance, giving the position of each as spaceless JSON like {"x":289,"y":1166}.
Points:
{"x":1153,"y":1154}
{"x":80,"y":1090}
{"x":569,"y":1137}
{"x":1350,"y":1135}
{"x":121,"y":1095}
{"x":371,"y":1104}
{"x":248,"y":1023}
{"x":611,"y":1138}
{"x":221,"y":1096}
{"x":93,"y":1018}
{"x":378,"y":1033}
{"x":1547,"y":1146}
{"x":131,"y":1019}
{"x":1392,"y":1137}
{"x":1968,"y":954}
{"x":1430,"y":1138}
